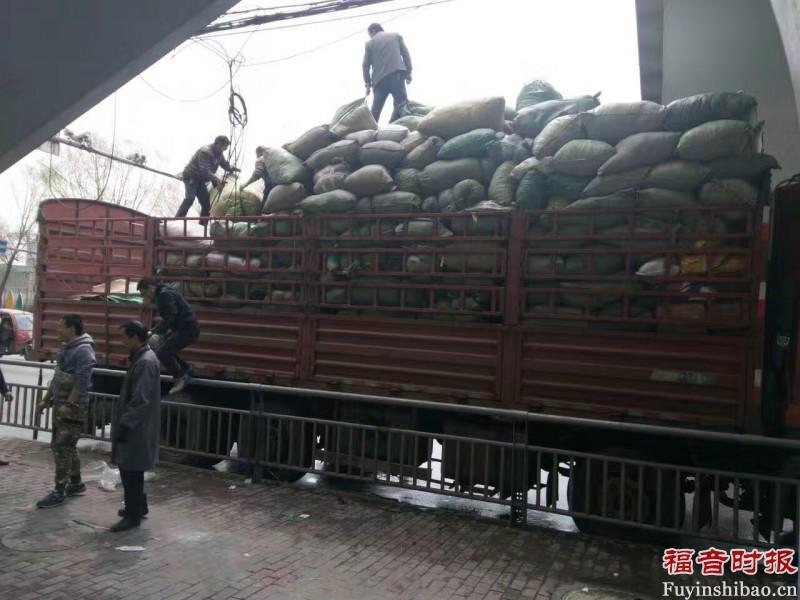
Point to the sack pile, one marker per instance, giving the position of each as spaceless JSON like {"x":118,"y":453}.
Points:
{"x":671,"y":165}
{"x":586,"y":164}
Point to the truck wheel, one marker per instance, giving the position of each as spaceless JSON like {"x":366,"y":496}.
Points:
{"x":190,"y":430}
{"x":622,"y":495}
{"x":287,"y":444}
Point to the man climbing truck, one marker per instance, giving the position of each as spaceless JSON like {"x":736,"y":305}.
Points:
{"x":176,"y":330}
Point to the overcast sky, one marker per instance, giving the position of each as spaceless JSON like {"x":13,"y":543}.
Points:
{"x":295,"y":77}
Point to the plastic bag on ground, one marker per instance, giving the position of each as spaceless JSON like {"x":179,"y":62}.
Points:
{"x":106,"y":476}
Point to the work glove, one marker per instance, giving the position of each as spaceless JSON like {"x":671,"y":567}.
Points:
{"x":8,"y":396}
{"x":153,"y":340}
{"x":122,"y":434}
{"x":408,"y":77}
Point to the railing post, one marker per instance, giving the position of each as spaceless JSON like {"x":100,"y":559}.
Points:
{"x":519,"y":474}
{"x":36,"y":415}
{"x":256,"y":437}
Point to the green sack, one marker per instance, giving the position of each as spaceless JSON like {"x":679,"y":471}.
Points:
{"x":532,"y":191}
{"x":502,"y":185}
{"x":536,"y":91}
{"x":473,"y":144}
{"x":337,"y":201}
{"x":283,"y":167}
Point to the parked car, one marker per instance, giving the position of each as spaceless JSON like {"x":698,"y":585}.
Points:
{"x":16,"y":332}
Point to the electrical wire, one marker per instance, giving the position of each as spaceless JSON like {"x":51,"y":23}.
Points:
{"x":360,"y":31}
{"x":211,"y":36}
{"x":113,"y":145}
{"x":168,"y":97}
{"x":262,"y":8}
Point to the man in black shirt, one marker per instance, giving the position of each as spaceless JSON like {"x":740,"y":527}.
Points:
{"x":177,"y":330}
{"x":201,"y":169}
{"x":260,"y":172}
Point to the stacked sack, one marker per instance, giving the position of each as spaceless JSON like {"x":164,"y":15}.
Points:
{"x":480,"y":158}
{"x":700,"y":151}
{"x":457,"y":159}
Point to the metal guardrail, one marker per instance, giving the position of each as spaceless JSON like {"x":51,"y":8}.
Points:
{"x":604,"y":492}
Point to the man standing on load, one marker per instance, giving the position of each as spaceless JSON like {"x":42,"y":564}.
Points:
{"x":386,"y":54}
{"x":201,"y":169}
{"x":68,"y":394}
{"x":260,"y":172}
{"x":177,"y":330}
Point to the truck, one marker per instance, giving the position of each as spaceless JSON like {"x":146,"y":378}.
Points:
{"x":694,"y":328}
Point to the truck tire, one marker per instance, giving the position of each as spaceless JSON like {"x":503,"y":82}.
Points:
{"x":184,"y":429}
{"x":619,"y":505}
{"x":288,"y":445}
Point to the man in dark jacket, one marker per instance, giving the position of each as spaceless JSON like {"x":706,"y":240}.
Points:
{"x":68,"y":394}
{"x":135,"y":428}
{"x":386,"y":54}
{"x":260,"y":172}
{"x":201,"y":169}
{"x":177,"y":329}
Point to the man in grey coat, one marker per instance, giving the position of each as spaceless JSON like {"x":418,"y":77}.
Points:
{"x":387,"y":69}
{"x":135,"y":427}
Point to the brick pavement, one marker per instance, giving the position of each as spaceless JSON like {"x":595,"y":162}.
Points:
{"x":204,"y":540}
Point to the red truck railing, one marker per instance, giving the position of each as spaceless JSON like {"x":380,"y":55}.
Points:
{"x":542,"y":310}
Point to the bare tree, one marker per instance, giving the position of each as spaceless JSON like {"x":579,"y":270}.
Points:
{"x":19,"y":235}
{"x":79,"y":174}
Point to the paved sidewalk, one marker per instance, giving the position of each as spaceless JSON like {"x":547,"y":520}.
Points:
{"x":206,"y":538}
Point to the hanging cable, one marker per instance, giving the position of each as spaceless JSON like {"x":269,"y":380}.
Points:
{"x":113,"y":145}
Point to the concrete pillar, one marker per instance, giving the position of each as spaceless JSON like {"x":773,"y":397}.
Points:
{"x":61,"y":58}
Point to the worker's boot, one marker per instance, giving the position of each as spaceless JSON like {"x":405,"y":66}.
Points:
{"x":182,"y":382}
{"x":53,"y":499}
{"x":125,"y":524}
{"x":75,"y":489}
{"x":122,"y":512}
